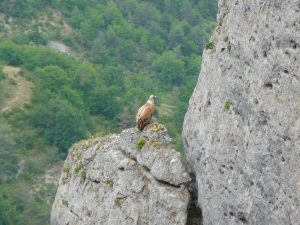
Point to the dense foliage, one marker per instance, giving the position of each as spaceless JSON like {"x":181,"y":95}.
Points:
{"x":121,"y":52}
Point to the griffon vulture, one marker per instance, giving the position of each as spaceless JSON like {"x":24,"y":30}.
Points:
{"x":144,"y":115}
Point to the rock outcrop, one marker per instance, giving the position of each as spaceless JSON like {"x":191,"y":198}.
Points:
{"x":131,"y":178}
{"x":242,"y":128}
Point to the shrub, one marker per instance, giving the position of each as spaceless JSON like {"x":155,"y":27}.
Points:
{"x":78,"y":168}
{"x":140,"y":143}
{"x":227,"y":106}
{"x":209,"y":45}
{"x":118,"y":202}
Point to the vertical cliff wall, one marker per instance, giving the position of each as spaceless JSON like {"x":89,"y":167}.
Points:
{"x":242,"y":128}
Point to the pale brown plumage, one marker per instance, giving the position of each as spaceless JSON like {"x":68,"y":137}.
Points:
{"x":144,"y":115}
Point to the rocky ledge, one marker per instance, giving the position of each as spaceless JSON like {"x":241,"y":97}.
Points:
{"x":131,"y":178}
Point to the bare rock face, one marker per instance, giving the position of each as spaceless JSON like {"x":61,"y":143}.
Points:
{"x":242,"y":128}
{"x":131,"y":178}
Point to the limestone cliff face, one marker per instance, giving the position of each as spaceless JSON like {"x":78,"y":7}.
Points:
{"x":131,"y":178}
{"x":242,"y":128}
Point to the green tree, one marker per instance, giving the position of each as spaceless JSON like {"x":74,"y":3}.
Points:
{"x":169,"y":69}
{"x":85,"y":79}
{"x":145,"y":14}
{"x":114,"y":76}
{"x":60,"y":123}
{"x":8,"y":157}
{"x":104,"y":102}
{"x":9,"y":213}
{"x":52,"y":78}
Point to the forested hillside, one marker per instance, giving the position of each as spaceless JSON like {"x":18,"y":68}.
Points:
{"x":119,"y":52}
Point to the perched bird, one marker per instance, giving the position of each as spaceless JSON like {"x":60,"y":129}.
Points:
{"x":144,"y":115}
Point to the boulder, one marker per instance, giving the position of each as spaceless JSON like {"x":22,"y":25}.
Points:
{"x":131,"y":178}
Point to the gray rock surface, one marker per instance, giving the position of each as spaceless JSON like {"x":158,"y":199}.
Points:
{"x":242,"y":128}
{"x":156,"y":155}
{"x":59,"y":46}
{"x":110,"y":181}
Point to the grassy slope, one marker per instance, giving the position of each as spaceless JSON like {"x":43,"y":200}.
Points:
{"x":16,"y":91}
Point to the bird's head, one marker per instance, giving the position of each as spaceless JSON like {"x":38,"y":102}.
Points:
{"x":152,"y":98}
